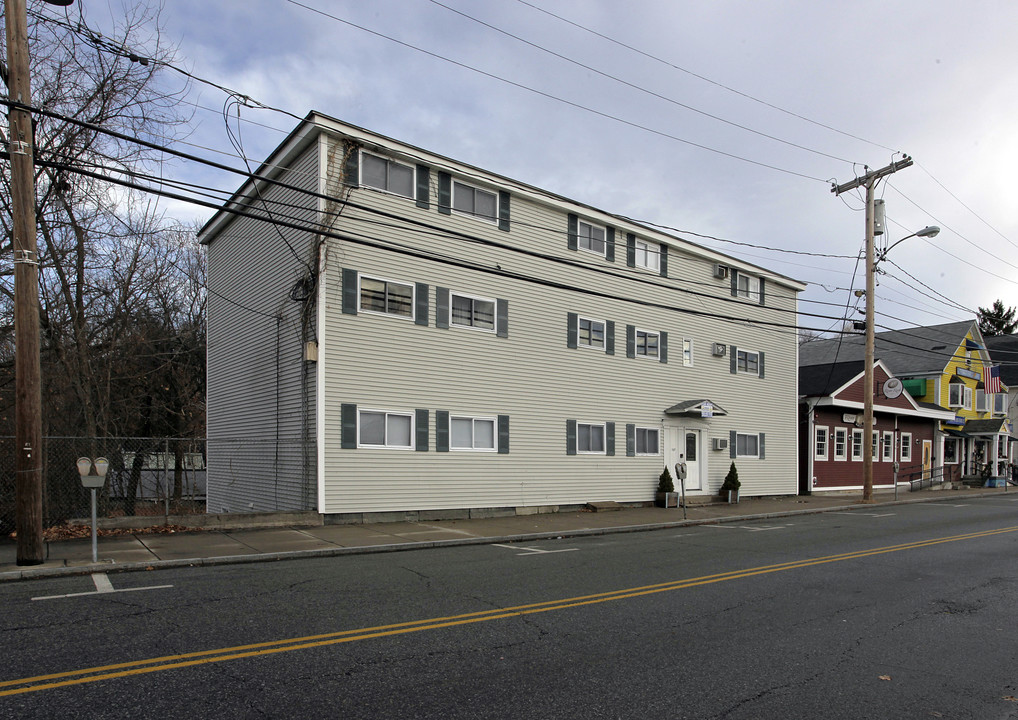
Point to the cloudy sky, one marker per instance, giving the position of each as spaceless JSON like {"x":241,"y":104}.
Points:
{"x":724,"y":118}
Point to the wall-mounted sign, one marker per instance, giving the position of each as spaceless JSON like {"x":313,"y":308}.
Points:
{"x":848,"y":418}
{"x":892,"y":388}
{"x":965,"y":372}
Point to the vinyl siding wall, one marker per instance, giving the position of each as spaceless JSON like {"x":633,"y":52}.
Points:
{"x":389,"y":363}
{"x":260,"y":442}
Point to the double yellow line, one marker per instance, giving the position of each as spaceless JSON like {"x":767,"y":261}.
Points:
{"x":172,"y":662}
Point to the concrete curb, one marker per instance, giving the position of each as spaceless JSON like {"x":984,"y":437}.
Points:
{"x":36,"y":573}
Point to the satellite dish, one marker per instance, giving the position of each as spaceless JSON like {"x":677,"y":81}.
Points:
{"x":892,"y":388}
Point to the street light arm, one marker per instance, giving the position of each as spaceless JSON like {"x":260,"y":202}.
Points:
{"x":927,"y":232}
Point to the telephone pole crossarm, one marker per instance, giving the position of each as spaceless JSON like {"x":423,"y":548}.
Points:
{"x":872,"y":176}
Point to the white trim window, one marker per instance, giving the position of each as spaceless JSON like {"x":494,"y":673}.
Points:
{"x":473,"y":201}
{"x":382,"y":429}
{"x":747,"y":286}
{"x":648,"y":255}
{"x":747,"y":362}
{"x":1002,"y":447}
{"x":386,"y":297}
{"x":982,"y":401}
{"x":1000,"y":403}
{"x":906,"y":447}
{"x":968,"y":399}
{"x":840,"y":443}
{"x":472,"y":433}
{"x":590,"y":237}
{"x":747,"y":445}
{"x":950,"y":451}
{"x":647,"y":343}
{"x":648,"y":441}
{"x":472,"y":312}
{"x":590,"y":333}
{"x":888,"y":448}
{"x":876,"y":445}
{"x":820,"y":439}
{"x":387,"y":175}
{"x":590,"y":439}
{"x":955,"y":394}
{"x":857,"y":444}
{"x":687,"y":353}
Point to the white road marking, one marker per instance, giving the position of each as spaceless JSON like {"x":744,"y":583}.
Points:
{"x":532,"y":551}
{"x":103,"y":586}
{"x":751,"y":528}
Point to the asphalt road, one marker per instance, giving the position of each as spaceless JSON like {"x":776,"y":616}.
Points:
{"x":902,"y":612}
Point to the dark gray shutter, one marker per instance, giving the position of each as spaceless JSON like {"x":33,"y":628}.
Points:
{"x":734,"y":353}
{"x":572,"y":329}
{"x":444,"y":193}
{"x":630,"y":250}
{"x":441,"y":307}
{"x":421,"y":421}
{"x":421,"y":305}
{"x":423,"y":186}
{"x":630,"y":440}
{"x":735,"y":282}
{"x":609,"y":243}
{"x":609,"y":337}
{"x":503,"y":210}
{"x":760,"y":364}
{"x":762,"y":446}
{"x":349,"y":291}
{"x":573,"y":232}
{"x":609,"y":438}
{"x":352,"y":171}
{"x":442,"y":430}
{"x":503,"y":434}
{"x":731,"y":444}
{"x":761,"y":291}
{"x":570,"y":437}
{"x":664,"y":261}
{"x":348,"y":426}
{"x":502,"y":318}
{"x":663,"y":347}
{"x":630,"y":341}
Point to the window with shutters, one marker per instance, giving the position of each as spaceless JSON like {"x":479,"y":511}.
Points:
{"x":747,"y":286}
{"x":647,"y":343}
{"x":470,"y":200}
{"x":590,"y":237}
{"x":466,"y":311}
{"x":388,"y":175}
{"x":590,"y":438}
{"x":472,"y":433}
{"x":590,"y":333}
{"x":747,"y":362}
{"x":648,"y":441}
{"x":386,"y":296}
{"x":382,"y":429}
{"x":648,"y":255}
{"x":747,"y":445}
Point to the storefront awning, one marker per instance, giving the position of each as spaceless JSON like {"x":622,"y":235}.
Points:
{"x":697,"y":408}
{"x":956,"y":433}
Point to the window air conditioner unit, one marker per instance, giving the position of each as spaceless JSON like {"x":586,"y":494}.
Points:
{"x":720,"y":271}
{"x":719,"y":349}
{"x":720,"y":443}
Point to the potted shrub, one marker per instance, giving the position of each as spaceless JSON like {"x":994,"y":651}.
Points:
{"x":664,"y":486}
{"x":730,"y":488}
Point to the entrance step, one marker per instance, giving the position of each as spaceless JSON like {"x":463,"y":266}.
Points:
{"x":603,"y":506}
{"x":694,"y":500}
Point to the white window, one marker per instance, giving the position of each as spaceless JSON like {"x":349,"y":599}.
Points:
{"x":1002,"y":446}
{"x":388,"y":175}
{"x":951,"y":451}
{"x":648,"y":255}
{"x":820,"y":443}
{"x":472,"y":312}
{"x":687,"y":353}
{"x":906,"y":447}
{"x":469,"y":433}
{"x":590,"y":237}
{"x":982,"y":402}
{"x":747,"y":286}
{"x":1000,"y":403}
{"x":857,"y":444}
{"x":876,"y":445}
{"x":648,"y":441}
{"x":376,"y":428}
{"x":471,"y":200}
{"x":386,"y":296}
{"x":748,"y":362}
{"x":840,"y":443}
{"x":590,"y":333}
{"x":955,"y":394}
{"x":747,"y":445}
{"x":888,"y":447}
{"x":589,"y":438}
{"x":647,"y":343}
{"x":968,"y":399}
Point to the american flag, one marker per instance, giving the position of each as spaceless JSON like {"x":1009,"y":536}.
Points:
{"x":992,"y":379}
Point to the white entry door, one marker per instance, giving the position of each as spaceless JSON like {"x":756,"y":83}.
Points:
{"x":684,"y":446}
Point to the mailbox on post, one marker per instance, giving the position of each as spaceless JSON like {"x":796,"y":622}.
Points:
{"x":93,"y":481}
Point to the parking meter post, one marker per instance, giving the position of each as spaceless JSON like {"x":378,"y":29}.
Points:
{"x":95,"y":540}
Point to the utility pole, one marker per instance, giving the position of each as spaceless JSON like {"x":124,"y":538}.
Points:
{"x":869,"y":181}
{"x":28,"y":384}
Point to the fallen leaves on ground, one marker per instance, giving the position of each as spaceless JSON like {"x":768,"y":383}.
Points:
{"x":885,"y":677}
{"x":77,"y":532}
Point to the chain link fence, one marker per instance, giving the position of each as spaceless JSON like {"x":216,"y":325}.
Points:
{"x":147,"y":476}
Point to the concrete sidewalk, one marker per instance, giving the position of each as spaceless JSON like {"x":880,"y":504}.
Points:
{"x":144,"y":551}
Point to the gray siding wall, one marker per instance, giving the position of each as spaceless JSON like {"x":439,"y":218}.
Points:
{"x":261,"y":391}
{"x":389,"y":363}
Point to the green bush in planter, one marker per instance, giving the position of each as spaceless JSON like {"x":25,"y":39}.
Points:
{"x":731,"y":481}
{"x":664,"y":482}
